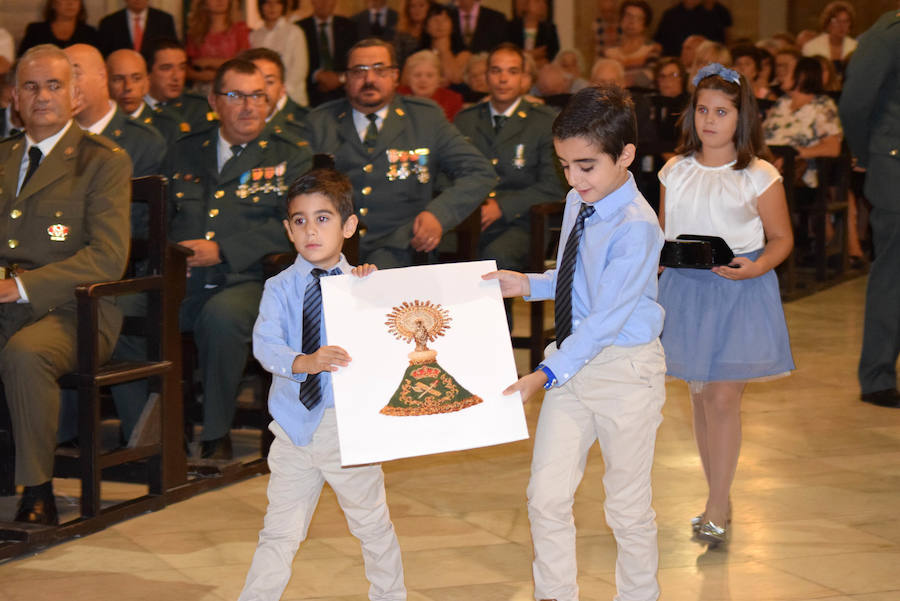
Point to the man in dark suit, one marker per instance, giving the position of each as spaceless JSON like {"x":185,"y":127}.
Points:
{"x":66,"y":195}
{"x":480,"y":28}
{"x":377,"y":21}
{"x":870,"y":114}
{"x":328,"y":38}
{"x":133,"y":25}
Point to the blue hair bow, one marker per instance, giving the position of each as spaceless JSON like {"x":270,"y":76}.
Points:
{"x":716,"y":69}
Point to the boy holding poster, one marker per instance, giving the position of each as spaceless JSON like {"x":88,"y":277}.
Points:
{"x":289,"y":342}
{"x":605,"y":373}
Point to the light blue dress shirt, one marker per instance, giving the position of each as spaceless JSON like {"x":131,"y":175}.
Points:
{"x":615,"y":286}
{"x":278,"y":339}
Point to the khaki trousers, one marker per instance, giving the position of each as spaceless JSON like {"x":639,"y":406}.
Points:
{"x":616,"y":399}
{"x":298,"y":474}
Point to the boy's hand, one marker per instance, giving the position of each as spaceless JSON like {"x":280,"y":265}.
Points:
{"x":363,"y":270}
{"x":528,"y":385}
{"x":327,"y":358}
{"x":512,"y":283}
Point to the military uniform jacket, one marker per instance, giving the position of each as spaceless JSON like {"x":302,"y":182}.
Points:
{"x":69,"y":224}
{"x":164,"y":120}
{"x":194,"y":111}
{"x":240,"y":208}
{"x":522,"y":156}
{"x":870,"y":109}
{"x":396,"y":180}
{"x":144,"y":145}
{"x":293,"y":118}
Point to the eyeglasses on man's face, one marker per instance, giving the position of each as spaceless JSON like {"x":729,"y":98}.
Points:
{"x":379,"y":69}
{"x":236,"y":98}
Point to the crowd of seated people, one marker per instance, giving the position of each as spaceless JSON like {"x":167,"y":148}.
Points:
{"x":439,"y":53}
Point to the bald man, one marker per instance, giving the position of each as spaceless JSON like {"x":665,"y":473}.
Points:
{"x":99,"y":115}
{"x":129,"y":83}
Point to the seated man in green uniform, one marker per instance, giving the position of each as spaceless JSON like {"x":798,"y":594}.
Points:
{"x":515,"y":135}
{"x":128,"y":84}
{"x":226,"y":187}
{"x":282,"y":110}
{"x":99,"y":115}
{"x":66,"y":195}
{"x":393,"y":148}
{"x":167,"y":65}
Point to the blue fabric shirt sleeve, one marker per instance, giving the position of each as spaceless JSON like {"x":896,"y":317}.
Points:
{"x":614,"y":291}
{"x":270,"y":345}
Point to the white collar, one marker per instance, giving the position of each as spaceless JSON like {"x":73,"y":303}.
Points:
{"x":508,"y":112}
{"x":137,"y":113}
{"x":142,"y":15}
{"x":47,"y":144}
{"x":98,"y":127}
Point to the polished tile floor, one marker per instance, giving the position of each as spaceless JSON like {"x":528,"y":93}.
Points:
{"x":817,"y":510}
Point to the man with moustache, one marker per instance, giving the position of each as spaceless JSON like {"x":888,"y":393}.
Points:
{"x":226,"y":193}
{"x":393,"y":148}
{"x":64,"y":194}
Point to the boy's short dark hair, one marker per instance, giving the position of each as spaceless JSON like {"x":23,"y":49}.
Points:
{"x":602,"y":114}
{"x":150,"y":48}
{"x":264,"y":54}
{"x":236,"y":65}
{"x":330,"y":183}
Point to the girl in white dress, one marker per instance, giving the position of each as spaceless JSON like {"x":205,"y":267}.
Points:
{"x":726,"y":325}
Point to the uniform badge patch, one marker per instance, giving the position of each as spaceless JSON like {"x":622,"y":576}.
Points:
{"x":58,"y":232}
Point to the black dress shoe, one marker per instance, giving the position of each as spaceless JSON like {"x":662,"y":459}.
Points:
{"x":219,"y":448}
{"x":37,"y":506}
{"x":882,"y":398}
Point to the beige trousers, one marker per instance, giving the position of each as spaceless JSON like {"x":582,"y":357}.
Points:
{"x":617,"y":400}
{"x":297,"y":476}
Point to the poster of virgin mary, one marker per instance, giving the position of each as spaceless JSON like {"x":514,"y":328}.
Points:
{"x":430,"y":356}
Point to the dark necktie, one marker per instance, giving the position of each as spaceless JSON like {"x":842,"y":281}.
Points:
{"x":235,"y":153}
{"x":499,"y":120}
{"x":376,"y":26}
{"x":371,"y":131}
{"x":326,"y":62}
{"x":565,"y":274}
{"x":311,"y":388}
{"x":34,"y":159}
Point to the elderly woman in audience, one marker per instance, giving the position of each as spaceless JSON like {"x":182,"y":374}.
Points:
{"x":708,"y":52}
{"x":474,"y":86}
{"x":63,"y":25}
{"x":440,"y":37}
{"x":748,"y":62}
{"x":411,"y":28}
{"x":532,"y":32}
{"x":834,"y":43}
{"x":289,"y":41}
{"x":670,"y":102}
{"x":213,"y":37}
{"x":635,"y":49}
{"x":805,"y":119}
{"x":422,"y":77}
{"x":607,"y":71}
{"x":689,"y":49}
{"x":571,"y":61}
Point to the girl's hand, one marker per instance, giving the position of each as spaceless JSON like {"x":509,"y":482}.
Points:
{"x":363,"y":270}
{"x":741,"y":268}
{"x":512,"y":283}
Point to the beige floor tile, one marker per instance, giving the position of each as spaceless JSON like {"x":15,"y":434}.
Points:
{"x":853,"y":573}
{"x":723,"y":581}
{"x":91,"y":585}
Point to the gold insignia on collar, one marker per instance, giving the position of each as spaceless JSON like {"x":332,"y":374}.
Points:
{"x":185,"y":127}
{"x":399,"y":112}
{"x":117,"y":133}
{"x":205,"y":143}
{"x":16,"y":146}
{"x":277,"y":130}
{"x":69,"y":151}
{"x":212,"y":116}
{"x":290,"y":117}
{"x":522,"y":114}
{"x":302,"y":143}
{"x":263,"y":144}
{"x":342,"y":115}
{"x":148,"y":120}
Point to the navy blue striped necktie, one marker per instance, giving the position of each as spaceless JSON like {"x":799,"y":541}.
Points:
{"x":566,"y":274}
{"x":311,"y":388}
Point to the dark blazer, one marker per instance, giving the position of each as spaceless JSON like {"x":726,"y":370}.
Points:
{"x":490,"y":30}
{"x":343,"y":32}
{"x":40,"y":32}
{"x":114,"y":33}
{"x":364,"y":27}
{"x":546,"y":36}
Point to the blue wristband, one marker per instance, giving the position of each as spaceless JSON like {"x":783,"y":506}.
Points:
{"x":551,"y":377}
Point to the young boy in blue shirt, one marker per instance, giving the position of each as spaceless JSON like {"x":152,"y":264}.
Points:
{"x":605,"y":374}
{"x":289,"y":341}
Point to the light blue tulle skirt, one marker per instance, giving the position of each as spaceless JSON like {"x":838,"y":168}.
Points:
{"x":719,"y":329}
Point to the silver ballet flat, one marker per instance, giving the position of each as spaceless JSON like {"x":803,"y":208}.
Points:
{"x":697,"y":521}
{"x":711,"y":533}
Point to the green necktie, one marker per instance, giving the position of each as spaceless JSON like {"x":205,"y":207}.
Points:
{"x":371,"y":131}
{"x":325,"y":59}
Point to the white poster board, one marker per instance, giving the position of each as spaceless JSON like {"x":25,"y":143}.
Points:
{"x":395,"y":401}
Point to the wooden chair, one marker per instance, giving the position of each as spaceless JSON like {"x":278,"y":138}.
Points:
{"x":787,"y":270}
{"x":546,"y":222}
{"x":160,"y":453}
{"x":829,"y":199}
